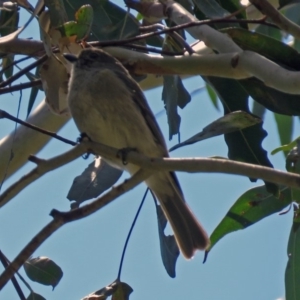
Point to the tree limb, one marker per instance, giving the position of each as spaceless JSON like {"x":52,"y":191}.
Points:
{"x":61,"y":218}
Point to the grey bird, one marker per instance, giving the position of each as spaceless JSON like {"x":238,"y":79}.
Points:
{"x":108,"y":105}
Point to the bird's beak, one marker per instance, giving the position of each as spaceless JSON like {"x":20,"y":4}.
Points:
{"x":70,"y":57}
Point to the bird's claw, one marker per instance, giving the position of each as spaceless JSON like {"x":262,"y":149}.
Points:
{"x":81,"y":138}
{"x":122,"y":153}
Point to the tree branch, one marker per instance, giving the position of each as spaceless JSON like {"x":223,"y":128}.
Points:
{"x":43,"y":166}
{"x":280,"y":20}
{"x":61,"y":218}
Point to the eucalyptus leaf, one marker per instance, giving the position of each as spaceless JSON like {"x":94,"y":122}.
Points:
{"x":211,"y":9}
{"x":35,"y":296}
{"x":94,"y":180}
{"x":231,"y":122}
{"x":251,"y":207}
{"x":284,"y":128}
{"x":212,"y":96}
{"x":174,"y":94}
{"x":292,"y":271}
{"x":168,"y":246}
{"x":244,"y":145}
{"x":43,"y":270}
{"x":287,"y":147}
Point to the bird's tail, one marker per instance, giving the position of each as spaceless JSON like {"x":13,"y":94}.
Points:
{"x":189,"y":233}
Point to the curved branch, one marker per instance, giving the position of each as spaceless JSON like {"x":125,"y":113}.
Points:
{"x":62,"y":218}
{"x":43,"y":166}
{"x":277,"y":18}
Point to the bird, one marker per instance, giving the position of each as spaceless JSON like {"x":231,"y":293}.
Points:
{"x":109,"y":106}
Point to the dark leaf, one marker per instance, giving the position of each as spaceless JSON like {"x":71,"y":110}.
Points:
{"x":168,"y":246}
{"x":211,"y":9}
{"x":95,"y":179}
{"x":233,"y":6}
{"x":251,"y":207}
{"x":34,"y":91}
{"x":9,"y":19}
{"x":271,"y":48}
{"x":272,"y":99}
{"x":231,"y":122}
{"x":35,"y":296}
{"x":292,"y":271}
{"x":244,"y":145}
{"x":43,"y":270}
{"x":187,"y":4}
{"x":174,"y":94}
{"x":278,"y":52}
{"x":283,"y":3}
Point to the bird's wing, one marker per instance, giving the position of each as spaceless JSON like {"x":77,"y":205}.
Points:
{"x":140,"y":101}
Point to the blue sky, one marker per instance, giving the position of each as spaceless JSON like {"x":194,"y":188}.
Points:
{"x":246,"y":265}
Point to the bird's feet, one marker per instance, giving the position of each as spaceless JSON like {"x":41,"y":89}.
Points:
{"x":83,"y":136}
{"x":122,"y":153}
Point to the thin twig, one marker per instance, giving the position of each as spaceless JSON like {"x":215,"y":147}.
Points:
{"x":152,"y":49}
{"x":279,"y":19}
{"x":15,"y":62}
{"x":175,"y":28}
{"x":4,"y":114}
{"x":129,"y":234}
{"x":174,"y":34}
{"x":62,"y":218}
{"x":24,"y":71}
{"x":14,"y":281}
{"x":21,"y":86}
{"x":43,"y":166}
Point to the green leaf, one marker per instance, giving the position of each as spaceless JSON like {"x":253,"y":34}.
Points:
{"x":110,"y":20}
{"x":270,"y":32}
{"x":284,"y":128}
{"x":244,"y":145}
{"x":168,"y":246}
{"x":212,"y":96}
{"x":251,"y":207}
{"x":292,"y":271}
{"x":43,"y":270}
{"x":293,"y":165}
{"x":272,"y":99}
{"x":271,"y":48}
{"x":231,"y":122}
{"x":287,"y":147}
{"x":82,"y":26}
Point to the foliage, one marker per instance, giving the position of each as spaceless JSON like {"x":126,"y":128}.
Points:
{"x":69,"y":26}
